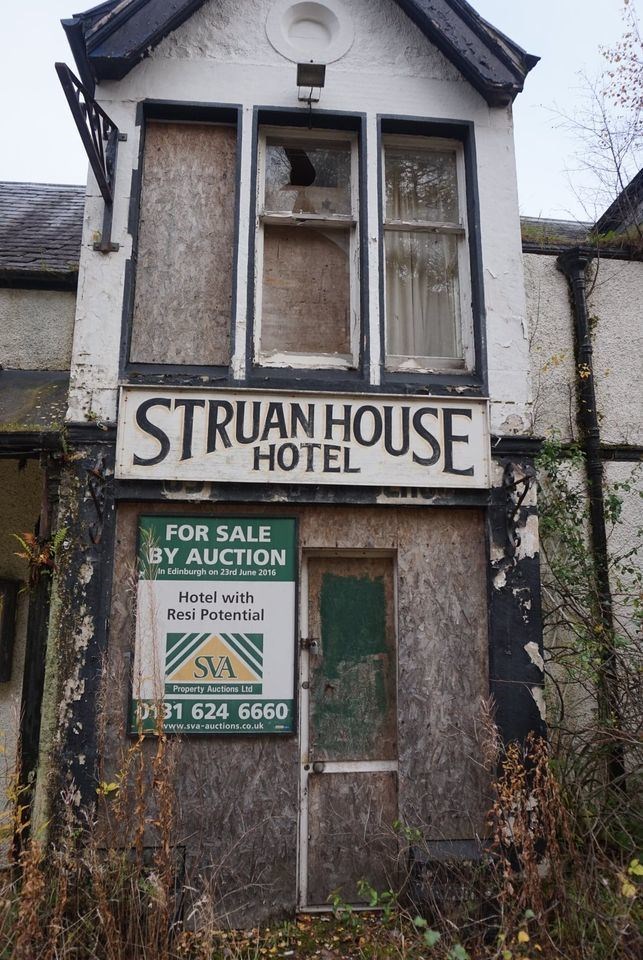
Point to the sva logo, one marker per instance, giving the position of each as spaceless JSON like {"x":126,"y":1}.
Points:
{"x":215,"y":668}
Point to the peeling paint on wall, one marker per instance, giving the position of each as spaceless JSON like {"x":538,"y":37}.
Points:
{"x":534,"y":654}
{"x":516,"y":640}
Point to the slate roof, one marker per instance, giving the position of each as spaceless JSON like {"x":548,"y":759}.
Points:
{"x":110,"y":39}
{"x":40,"y":232}
{"x":627,"y":210}
{"x":540,"y":233}
{"x":608,"y":237}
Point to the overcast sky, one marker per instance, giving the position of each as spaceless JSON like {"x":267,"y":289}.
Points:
{"x":40,"y":142}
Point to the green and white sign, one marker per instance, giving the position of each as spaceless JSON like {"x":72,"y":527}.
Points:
{"x":215,"y":625}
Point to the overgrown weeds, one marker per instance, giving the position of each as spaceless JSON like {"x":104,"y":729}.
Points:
{"x":547,"y":884}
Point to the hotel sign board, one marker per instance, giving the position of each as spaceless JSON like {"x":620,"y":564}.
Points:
{"x":227,"y":436}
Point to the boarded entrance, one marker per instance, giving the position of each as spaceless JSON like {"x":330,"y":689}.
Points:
{"x":349,"y":727}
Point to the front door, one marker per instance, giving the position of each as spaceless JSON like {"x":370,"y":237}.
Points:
{"x":348,"y":728}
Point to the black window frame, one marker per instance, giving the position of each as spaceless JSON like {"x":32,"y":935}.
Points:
{"x":261,"y":375}
{"x":475,"y":380}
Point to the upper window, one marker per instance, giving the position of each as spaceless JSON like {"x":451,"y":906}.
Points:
{"x":428,"y":301}
{"x":307,"y":289}
{"x":186,"y":237}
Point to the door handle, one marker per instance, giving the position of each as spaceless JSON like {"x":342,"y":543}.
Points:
{"x":311,"y":644}
{"x":319,"y":766}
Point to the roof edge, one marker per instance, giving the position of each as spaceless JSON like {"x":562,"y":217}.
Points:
{"x":497,"y":69}
{"x":623,"y":211}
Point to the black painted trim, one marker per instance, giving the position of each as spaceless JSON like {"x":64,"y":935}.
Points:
{"x":28,"y":443}
{"x":474,"y":381}
{"x":626,"y":252}
{"x":288,"y":378}
{"x":196,"y":112}
{"x":31,"y":443}
{"x":300,"y":377}
{"x":8,"y":627}
{"x":514,"y":616}
{"x":625,"y":209}
{"x":623,"y":453}
{"x":39,"y":280}
{"x":503,"y":79}
{"x":522,"y":447}
{"x":90,"y":516}
{"x":170,"y":491}
{"x":92,"y":431}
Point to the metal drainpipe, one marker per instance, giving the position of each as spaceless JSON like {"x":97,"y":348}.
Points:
{"x":573,"y":264}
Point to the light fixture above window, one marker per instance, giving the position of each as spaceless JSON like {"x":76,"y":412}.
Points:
{"x":311,"y":77}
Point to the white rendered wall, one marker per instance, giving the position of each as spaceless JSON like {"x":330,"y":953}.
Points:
{"x":36,"y":329}
{"x":222,"y":55}
{"x":617,"y":334}
{"x":551,"y":334}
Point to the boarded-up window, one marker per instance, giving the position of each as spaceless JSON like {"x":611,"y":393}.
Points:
{"x":306,"y":290}
{"x":306,"y":250}
{"x":182,"y":308}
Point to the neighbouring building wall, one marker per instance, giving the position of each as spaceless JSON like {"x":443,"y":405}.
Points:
{"x":36,"y":328}
{"x":626,"y":481}
{"x":551,"y":348}
{"x":615,"y":292}
{"x":21,"y":486}
{"x":616,"y":295}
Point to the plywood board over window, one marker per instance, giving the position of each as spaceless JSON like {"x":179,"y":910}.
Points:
{"x":182,"y":306}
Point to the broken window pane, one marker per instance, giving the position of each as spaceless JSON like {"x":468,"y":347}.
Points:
{"x":306,"y":290}
{"x":308,"y":177}
{"x":422,"y":302}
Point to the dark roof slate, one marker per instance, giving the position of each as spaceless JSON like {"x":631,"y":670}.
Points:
{"x":40,"y":232}
{"x":626,"y":213}
{"x":542,"y":235}
{"x":109,"y":40}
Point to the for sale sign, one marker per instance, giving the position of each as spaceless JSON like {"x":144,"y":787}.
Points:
{"x":215,"y":625}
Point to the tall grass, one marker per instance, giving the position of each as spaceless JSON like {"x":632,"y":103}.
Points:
{"x":555,"y":881}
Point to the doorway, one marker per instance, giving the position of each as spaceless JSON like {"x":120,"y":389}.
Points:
{"x":348,"y":723}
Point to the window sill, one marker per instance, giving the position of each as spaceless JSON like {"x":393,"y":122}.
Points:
{"x":306,"y":361}
{"x":425,"y":365}
{"x":307,"y":220}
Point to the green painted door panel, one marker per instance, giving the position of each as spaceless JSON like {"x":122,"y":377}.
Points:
{"x":353,"y":673}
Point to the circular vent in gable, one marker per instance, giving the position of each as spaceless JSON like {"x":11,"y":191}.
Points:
{"x":321,"y":32}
